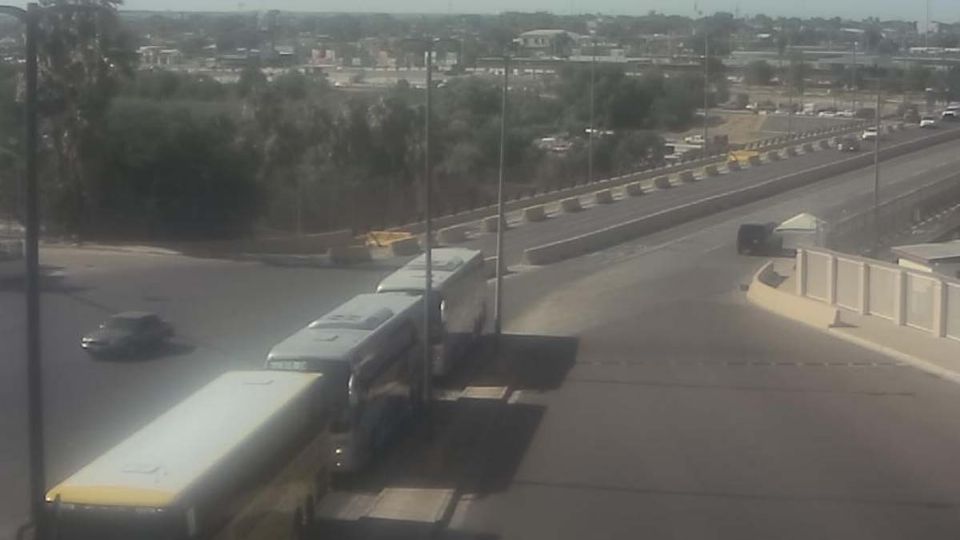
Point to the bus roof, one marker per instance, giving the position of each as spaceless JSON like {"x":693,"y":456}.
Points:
{"x":447,"y":262}
{"x":336,"y":335}
{"x":156,"y":465}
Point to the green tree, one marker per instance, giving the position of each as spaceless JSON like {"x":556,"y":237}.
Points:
{"x":758,"y":72}
{"x":83,"y":53}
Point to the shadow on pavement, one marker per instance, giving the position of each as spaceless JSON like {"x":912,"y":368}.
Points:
{"x":466,"y":445}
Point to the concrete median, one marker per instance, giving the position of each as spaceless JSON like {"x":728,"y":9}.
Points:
{"x":604,"y":196}
{"x":492,"y":224}
{"x":405,"y":247}
{"x":532,"y":214}
{"x":603,"y":238}
{"x":662,"y":182}
{"x":634,"y":189}
{"x":452,"y":235}
{"x":571,"y":205}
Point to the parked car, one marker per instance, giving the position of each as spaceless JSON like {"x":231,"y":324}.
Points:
{"x":870,"y":134}
{"x":928,"y":122}
{"x":127,"y":333}
{"x":758,"y":239}
{"x":848,"y":144}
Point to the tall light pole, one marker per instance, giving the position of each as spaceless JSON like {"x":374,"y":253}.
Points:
{"x":30,"y":17}
{"x":501,"y":219}
{"x":853,"y":84}
{"x":593,"y":106}
{"x":706,"y":89}
{"x":876,"y":175}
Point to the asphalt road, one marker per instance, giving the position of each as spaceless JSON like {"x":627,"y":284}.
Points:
{"x":642,"y":297}
{"x":909,"y":168}
{"x":227,"y":314}
{"x":686,"y":413}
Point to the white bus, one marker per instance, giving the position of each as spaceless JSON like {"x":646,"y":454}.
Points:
{"x":242,"y":458}
{"x":369,"y":353}
{"x":460,"y":289}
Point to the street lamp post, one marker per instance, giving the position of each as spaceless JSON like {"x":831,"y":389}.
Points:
{"x":30,"y":18}
{"x":501,"y":219}
{"x":706,"y":89}
{"x":593,"y":127}
{"x":876,"y":176}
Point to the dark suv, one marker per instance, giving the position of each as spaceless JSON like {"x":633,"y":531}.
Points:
{"x":758,"y":239}
{"x":126,"y":333}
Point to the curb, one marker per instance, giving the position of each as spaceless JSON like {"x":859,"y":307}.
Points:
{"x":760,"y":294}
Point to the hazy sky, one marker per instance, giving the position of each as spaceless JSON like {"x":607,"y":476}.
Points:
{"x":945,"y":10}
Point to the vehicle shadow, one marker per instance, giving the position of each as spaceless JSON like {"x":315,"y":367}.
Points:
{"x":165,"y":350}
{"x":462,"y":445}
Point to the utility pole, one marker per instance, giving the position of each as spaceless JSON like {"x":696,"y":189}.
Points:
{"x":876,"y":175}
{"x":706,"y":90}
{"x":593,"y":128}
{"x":428,"y":307}
{"x":501,"y":219}
{"x":854,"y":85}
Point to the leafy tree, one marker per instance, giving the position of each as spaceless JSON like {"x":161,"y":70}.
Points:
{"x":83,"y":53}
{"x":758,"y":72}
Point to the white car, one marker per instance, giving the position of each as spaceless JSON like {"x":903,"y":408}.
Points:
{"x":928,"y":122}
{"x":949,"y":114}
{"x":869,"y":134}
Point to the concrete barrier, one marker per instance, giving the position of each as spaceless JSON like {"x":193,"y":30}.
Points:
{"x":711,"y":170}
{"x":491,"y":224}
{"x":350,"y":254}
{"x":687,"y":177}
{"x":571,"y":205}
{"x":405,"y":247}
{"x":764,"y":293}
{"x":634,"y":189}
{"x":663,"y":182}
{"x":808,"y":148}
{"x":755,"y":161}
{"x":774,"y":156}
{"x":533,"y":214}
{"x":452,"y":235}
{"x":733,"y":165}
{"x":585,"y":243}
{"x":791,"y":151}
{"x":604,"y":196}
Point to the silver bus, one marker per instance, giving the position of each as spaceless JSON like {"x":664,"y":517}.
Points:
{"x":369,"y":353}
{"x":242,"y":458}
{"x":459,"y":287}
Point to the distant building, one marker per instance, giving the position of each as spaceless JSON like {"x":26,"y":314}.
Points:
{"x":153,"y":55}
{"x":540,"y":43}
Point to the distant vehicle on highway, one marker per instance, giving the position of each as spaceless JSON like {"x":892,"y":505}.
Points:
{"x":928,"y":122}
{"x":694,"y":139}
{"x":870,"y":134}
{"x":758,"y":239}
{"x":848,"y":144}
{"x":950,"y":114}
{"x":126,"y":333}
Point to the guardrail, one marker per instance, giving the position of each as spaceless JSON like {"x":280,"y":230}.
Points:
{"x":554,"y":195}
{"x":603,"y":238}
{"x":905,"y":297}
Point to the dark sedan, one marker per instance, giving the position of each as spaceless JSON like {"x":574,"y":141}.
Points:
{"x":758,"y":239}
{"x":126,"y":333}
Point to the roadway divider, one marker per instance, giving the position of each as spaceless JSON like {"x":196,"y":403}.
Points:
{"x":492,"y":223}
{"x":663,"y":182}
{"x":452,"y":235}
{"x":533,"y":214}
{"x":405,"y":247}
{"x":634,"y":189}
{"x":477,"y":214}
{"x":604,"y":196}
{"x":571,"y":205}
{"x":622,"y":232}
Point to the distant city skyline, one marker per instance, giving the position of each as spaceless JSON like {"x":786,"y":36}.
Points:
{"x":941,"y":10}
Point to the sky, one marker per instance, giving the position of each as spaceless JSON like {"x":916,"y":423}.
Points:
{"x":944,"y":10}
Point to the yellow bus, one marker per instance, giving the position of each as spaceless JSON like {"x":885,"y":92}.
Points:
{"x":242,"y":458}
